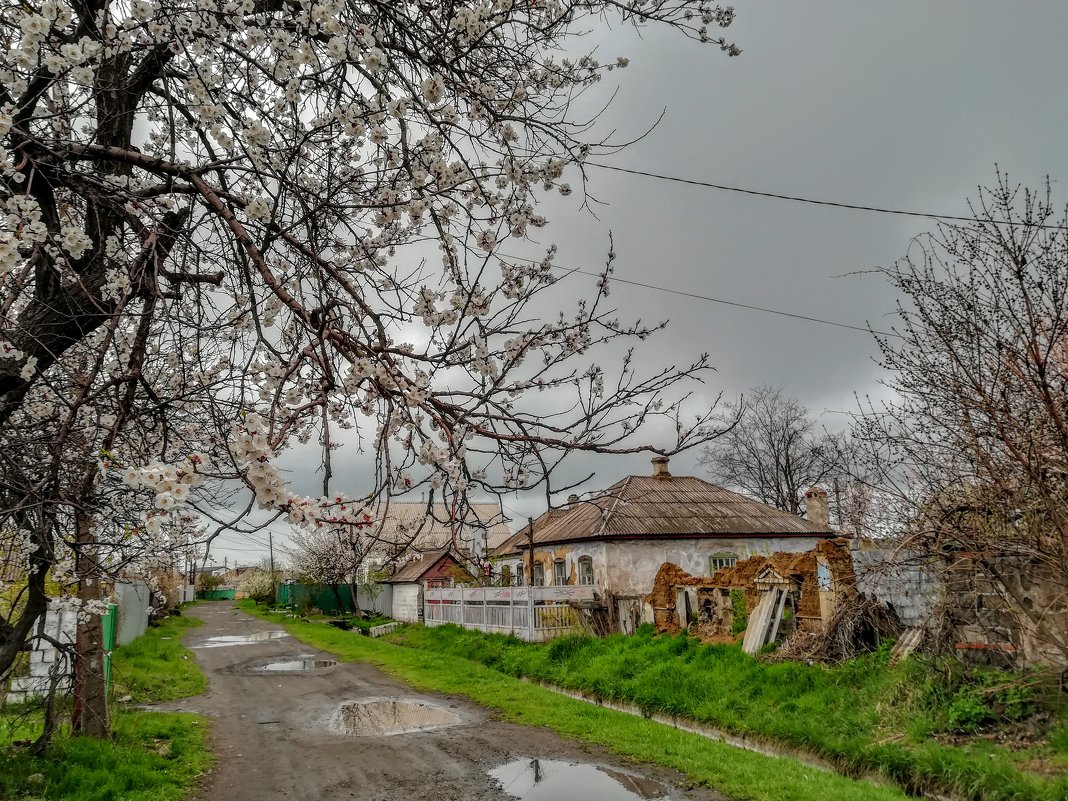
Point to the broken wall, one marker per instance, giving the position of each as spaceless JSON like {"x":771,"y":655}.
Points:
{"x":1007,"y":612}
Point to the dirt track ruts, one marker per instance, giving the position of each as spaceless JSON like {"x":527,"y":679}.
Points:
{"x":272,"y":738}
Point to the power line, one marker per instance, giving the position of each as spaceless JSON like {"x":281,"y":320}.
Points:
{"x":812,"y":201}
{"x":722,"y":301}
{"x":736,"y":304}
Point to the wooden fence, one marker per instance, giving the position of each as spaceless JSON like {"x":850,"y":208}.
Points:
{"x":530,"y":613}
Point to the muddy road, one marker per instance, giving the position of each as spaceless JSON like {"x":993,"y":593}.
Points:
{"x":289,"y":723}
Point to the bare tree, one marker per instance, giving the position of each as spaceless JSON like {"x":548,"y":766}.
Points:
{"x":229,"y":227}
{"x":774,"y":450}
{"x":974,"y":444}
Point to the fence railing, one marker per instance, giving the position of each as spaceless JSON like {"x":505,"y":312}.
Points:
{"x":530,"y":613}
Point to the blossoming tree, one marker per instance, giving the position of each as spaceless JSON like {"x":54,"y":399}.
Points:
{"x":229,"y":225}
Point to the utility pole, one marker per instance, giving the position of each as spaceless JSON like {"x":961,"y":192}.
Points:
{"x":530,"y":544}
{"x":270,"y":545}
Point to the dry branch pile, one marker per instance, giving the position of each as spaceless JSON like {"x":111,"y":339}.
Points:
{"x":857,"y":627}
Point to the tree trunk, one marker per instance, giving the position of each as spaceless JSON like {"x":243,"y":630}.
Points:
{"x":90,"y":714}
{"x":355,"y":601}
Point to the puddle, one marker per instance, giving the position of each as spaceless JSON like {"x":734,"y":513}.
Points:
{"x":304,"y":663}
{"x":551,"y":780}
{"x":382,"y":716}
{"x":241,"y":639}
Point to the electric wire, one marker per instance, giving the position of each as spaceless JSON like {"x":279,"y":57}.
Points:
{"x":930,"y":215}
{"x":722,"y":301}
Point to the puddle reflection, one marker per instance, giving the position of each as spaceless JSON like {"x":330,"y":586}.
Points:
{"x":305,"y":663}
{"x":240,"y":639}
{"x":552,"y":780}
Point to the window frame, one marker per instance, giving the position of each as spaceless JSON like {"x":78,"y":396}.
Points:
{"x":585,"y":571}
{"x":720,"y":560}
{"x":559,"y":572}
{"x":538,"y":579}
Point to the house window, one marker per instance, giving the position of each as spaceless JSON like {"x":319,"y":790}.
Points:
{"x":506,"y":575}
{"x":539,"y":575}
{"x":559,"y":572}
{"x":718,"y":561}
{"x":585,"y":571}
{"x":519,"y":575}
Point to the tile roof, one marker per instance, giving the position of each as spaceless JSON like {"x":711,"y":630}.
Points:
{"x":664,"y":507}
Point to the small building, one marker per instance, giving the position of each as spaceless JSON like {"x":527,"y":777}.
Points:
{"x":617,"y":540}
{"x":408,"y":530}
{"x":441,"y":568}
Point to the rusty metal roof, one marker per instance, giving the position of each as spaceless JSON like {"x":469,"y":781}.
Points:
{"x":664,"y":507}
{"x":414,"y":570}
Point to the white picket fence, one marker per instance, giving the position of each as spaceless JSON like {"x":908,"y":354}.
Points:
{"x":530,"y":613}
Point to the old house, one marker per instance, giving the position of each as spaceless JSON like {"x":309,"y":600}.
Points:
{"x":440,"y":568}
{"x":616,"y":541}
{"x":406,"y":531}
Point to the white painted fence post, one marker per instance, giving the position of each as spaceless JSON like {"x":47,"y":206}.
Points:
{"x":463,"y":616}
{"x":530,"y":610}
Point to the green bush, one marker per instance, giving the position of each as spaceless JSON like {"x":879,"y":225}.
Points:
{"x":740,"y":619}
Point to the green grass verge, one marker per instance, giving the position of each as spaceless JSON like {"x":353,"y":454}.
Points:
{"x":153,"y":756}
{"x":156,"y":666}
{"x":862,"y":716}
{"x":740,"y":774}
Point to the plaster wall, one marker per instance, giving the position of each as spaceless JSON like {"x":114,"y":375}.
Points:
{"x":631,"y":565}
{"x":628,"y":567}
{"x":407,"y":600}
{"x":570,"y":553}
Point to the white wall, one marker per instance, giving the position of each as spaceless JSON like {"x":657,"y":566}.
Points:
{"x":628,"y":567}
{"x":631,"y":565}
{"x":407,"y":599}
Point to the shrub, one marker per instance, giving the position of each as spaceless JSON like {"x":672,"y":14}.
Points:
{"x":259,"y":586}
{"x":741,"y":618}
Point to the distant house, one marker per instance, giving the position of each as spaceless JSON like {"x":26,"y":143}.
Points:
{"x":618,"y":540}
{"x":440,"y":568}
{"x":409,"y":530}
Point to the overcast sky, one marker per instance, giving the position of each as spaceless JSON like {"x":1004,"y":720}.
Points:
{"x":906,"y":105}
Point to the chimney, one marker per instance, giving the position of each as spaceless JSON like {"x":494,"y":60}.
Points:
{"x":660,"y":467}
{"x":572,"y":500}
{"x":816,"y":509}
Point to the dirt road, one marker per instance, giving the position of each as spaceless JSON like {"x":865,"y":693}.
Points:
{"x":276,"y":734}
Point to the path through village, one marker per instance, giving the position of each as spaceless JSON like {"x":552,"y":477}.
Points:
{"x":276,"y":734}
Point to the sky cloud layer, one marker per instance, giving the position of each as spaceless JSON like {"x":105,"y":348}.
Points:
{"x":908,"y":105}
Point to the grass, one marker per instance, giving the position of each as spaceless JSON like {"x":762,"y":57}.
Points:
{"x":152,"y":756}
{"x":156,"y":667}
{"x":863,"y":717}
{"x":743,"y":775}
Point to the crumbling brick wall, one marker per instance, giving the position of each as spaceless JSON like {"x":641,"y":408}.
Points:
{"x":1006,"y":611}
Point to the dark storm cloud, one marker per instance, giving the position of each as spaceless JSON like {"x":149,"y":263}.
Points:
{"x":908,"y":105}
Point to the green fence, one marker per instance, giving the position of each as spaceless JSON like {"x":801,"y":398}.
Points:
{"x":216,"y":595}
{"x":109,"y":622}
{"x":321,"y":596}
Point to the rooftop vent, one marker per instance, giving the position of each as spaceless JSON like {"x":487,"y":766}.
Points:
{"x":660,"y":467}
